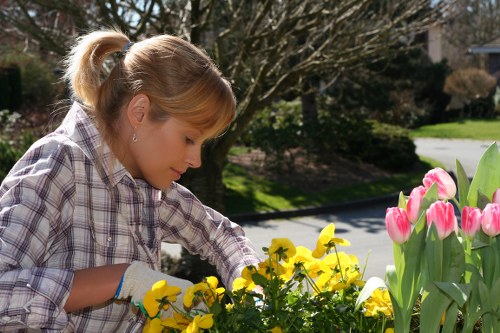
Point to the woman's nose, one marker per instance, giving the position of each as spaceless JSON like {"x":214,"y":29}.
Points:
{"x":193,"y":157}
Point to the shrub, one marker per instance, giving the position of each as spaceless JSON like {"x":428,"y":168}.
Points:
{"x":390,"y":148}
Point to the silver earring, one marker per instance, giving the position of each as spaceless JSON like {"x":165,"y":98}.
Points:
{"x":134,"y":138}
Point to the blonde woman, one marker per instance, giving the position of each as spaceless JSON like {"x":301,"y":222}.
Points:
{"x":84,"y":212}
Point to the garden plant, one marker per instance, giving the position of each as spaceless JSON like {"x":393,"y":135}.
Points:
{"x":445,"y":278}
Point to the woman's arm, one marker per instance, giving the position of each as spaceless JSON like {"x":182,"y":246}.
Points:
{"x":94,"y":286}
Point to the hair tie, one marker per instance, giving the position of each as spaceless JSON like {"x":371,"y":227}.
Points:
{"x":126,"y":48}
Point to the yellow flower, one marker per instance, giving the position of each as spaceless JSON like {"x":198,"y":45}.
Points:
{"x":160,"y":296}
{"x":203,"y":322}
{"x":276,"y":329}
{"x":379,"y":303}
{"x":389,"y":330}
{"x":245,"y":281}
{"x":152,"y":326}
{"x":205,"y":291}
{"x":269,"y":267}
{"x":302,"y":260}
{"x":178,"y":321}
{"x":326,"y":241}
{"x":281,"y":247}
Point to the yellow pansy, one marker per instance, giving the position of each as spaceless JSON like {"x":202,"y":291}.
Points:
{"x":379,"y":303}
{"x":203,"y":322}
{"x":205,"y":291}
{"x":281,"y":247}
{"x":326,"y":241}
{"x":302,"y":260}
{"x":160,"y":296}
{"x":269,"y":267}
{"x":276,"y":329}
{"x":245,"y":281}
{"x":152,"y":326}
{"x":178,"y":321}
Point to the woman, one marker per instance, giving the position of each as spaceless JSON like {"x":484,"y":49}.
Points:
{"x":84,"y":212}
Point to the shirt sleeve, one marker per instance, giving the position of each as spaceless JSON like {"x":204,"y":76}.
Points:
{"x":33,"y":199}
{"x":204,"y":231}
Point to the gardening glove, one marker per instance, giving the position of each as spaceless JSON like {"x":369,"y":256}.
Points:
{"x":139,"y":278}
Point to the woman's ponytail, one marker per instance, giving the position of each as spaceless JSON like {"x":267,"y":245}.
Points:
{"x":84,"y":63}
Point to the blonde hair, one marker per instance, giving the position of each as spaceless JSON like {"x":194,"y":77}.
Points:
{"x":180,"y":79}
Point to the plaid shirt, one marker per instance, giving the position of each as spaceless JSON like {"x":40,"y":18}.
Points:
{"x":61,"y":211}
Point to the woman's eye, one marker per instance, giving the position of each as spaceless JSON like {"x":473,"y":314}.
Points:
{"x":189,"y":141}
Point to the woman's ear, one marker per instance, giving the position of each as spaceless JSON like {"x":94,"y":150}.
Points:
{"x":137,"y":109}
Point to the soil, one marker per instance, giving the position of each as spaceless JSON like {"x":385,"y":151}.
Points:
{"x":302,"y":172}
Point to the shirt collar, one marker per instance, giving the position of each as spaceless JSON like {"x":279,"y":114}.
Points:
{"x":81,"y":129}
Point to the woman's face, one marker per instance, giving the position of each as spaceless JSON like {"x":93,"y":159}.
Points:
{"x":164,"y":151}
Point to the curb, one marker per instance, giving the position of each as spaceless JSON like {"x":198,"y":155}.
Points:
{"x":259,"y":216}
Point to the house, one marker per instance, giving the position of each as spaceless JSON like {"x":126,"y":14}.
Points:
{"x":491,"y":54}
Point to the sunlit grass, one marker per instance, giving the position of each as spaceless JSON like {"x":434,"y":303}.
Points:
{"x":467,"y":129}
{"x":246,"y":193}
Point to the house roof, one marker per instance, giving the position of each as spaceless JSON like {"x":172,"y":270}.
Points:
{"x":489,"y":48}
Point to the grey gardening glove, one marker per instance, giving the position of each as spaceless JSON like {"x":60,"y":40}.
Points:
{"x":139,"y":278}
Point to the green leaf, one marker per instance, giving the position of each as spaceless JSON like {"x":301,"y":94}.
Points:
{"x":450,"y":320}
{"x":463,"y":185}
{"x":487,"y":177}
{"x":434,"y":255}
{"x":459,"y":293}
{"x":371,"y":285}
{"x":454,"y":259}
{"x":402,"y":201}
{"x":434,"y":303}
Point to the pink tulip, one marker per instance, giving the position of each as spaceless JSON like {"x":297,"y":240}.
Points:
{"x":490,"y":219}
{"x":398,"y":225}
{"x":442,"y":214}
{"x":471,"y":220}
{"x":414,"y":201}
{"x":446,"y":186}
{"x":496,"y":196}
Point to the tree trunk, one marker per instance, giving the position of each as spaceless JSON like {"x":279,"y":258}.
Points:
{"x":308,"y":99}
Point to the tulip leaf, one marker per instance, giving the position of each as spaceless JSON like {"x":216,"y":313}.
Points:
{"x":450,"y":320}
{"x":433,"y":306}
{"x":434,"y":255}
{"x":458,"y":292}
{"x":487,"y":177}
{"x":463,"y":185}
{"x":402,"y":201}
{"x":482,"y":200}
{"x":454,"y":265}
{"x":371,"y":285}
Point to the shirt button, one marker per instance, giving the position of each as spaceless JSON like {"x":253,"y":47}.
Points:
{"x":109,"y":238}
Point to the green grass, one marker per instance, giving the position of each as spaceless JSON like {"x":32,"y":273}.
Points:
{"x":246,"y":193}
{"x":467,"y":129}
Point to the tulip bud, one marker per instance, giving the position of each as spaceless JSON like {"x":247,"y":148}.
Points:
{"x":398,"y":225}
{"x":446,"y":186}
{"x":471,"y":220}
{"x":490,"y":219}
{"x":442,"y":214}
{"x":496,"y":196}
{"x":414,"y":201}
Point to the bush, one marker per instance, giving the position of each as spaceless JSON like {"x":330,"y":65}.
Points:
{"x":11,"y":152}
{"x":390,"y":148}
{"x":276,"y":131}
{"x":38,"y":86}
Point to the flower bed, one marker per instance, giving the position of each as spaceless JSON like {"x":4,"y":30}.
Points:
{"x":445,"y":278}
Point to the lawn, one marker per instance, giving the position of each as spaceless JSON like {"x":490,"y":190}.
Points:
{"x":467,"y":129}
{"x":248,"y":193}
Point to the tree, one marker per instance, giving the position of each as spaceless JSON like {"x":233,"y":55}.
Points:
{"x":472,"y":22}
{"x":267,"y":48}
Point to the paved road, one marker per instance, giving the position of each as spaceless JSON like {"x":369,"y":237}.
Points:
{"x":363,"y":227}
{"x":447,"y":151}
